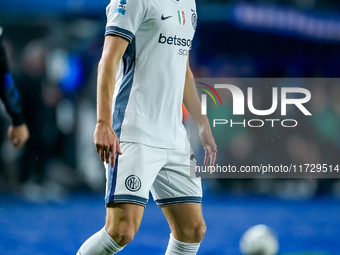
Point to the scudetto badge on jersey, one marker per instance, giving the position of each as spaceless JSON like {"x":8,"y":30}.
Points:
{"x":181,"y":17}
{"x":121,"y":7}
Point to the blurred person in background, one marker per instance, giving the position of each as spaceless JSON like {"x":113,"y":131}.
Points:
{"x":18,"y":132}
{"x":30,"y":81}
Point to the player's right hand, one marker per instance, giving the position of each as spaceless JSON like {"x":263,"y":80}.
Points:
{"x":106,"y":142}
{"x":18,"y":135}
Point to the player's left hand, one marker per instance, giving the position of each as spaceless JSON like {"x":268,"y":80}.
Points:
{"x":18,"y":135}
{"x":209,"y":145}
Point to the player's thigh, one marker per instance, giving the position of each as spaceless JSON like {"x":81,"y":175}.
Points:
{"x":123,"y":217}
{"x":186,"y":221}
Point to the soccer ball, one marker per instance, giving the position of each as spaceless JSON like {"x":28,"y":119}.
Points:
{"x":259,"y":240}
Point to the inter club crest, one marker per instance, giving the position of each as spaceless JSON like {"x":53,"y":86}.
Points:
{"x":133,"y":183}
{"x":194,"y":19}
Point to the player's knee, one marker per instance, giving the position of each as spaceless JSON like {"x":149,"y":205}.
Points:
{"x":122,"y":236}
{"x":194,"y":234}
{"x":199,"y":232}
{"x":125,"y":237}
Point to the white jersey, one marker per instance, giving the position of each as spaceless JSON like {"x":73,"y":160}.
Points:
{"x":147,"y":104}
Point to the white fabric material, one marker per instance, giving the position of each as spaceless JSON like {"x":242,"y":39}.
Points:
{"x":176,"y":247}
{"x":160,"y":33}
{"x":165,"y":172}
{"x":99,"y":244}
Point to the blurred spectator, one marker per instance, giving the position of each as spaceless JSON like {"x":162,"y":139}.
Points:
{"x":17,"y":132}
{"x":30,"y":82}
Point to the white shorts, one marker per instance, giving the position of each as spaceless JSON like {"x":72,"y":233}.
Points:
{"x":164,"y":172}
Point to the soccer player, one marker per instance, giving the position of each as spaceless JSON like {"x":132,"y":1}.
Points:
{"x":17,"y":132}
{"x":143,"y":78}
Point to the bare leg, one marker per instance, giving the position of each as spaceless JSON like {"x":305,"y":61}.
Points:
{"x":122,"y":223}
{"x":187,"y":227}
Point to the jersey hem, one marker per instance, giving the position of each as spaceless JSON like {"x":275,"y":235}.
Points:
{"x":126,"y":199}
{"x":178,"y":200}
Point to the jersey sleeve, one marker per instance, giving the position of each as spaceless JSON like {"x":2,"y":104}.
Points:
{"x":124,"y":17}
{"x":3,"y":62}
{"x":8,"y":91}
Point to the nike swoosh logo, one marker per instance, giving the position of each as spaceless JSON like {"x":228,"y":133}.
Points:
{"x":164,"y":18}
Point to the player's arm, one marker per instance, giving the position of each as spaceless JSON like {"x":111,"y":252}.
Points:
{"x":193,"y":105}
{"x":18,"y":132}
{"x":106,"y":141}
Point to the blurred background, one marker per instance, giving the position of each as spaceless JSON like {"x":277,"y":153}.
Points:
{"x":51,"y":191}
